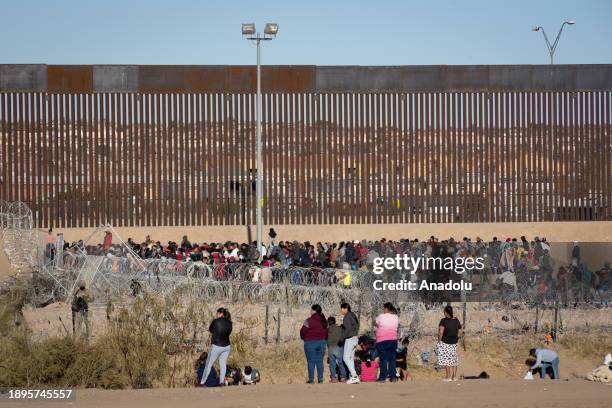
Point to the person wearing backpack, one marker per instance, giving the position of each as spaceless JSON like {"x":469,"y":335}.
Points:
{"x":80,"y":309}
{"x":250,"y":376}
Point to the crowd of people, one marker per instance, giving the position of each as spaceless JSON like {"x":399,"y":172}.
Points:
{"x":511,"y":266}
{"x":353,"y":359}
{"x":380,"y":356}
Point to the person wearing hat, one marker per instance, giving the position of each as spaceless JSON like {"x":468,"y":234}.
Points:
{"x":80,"y":309}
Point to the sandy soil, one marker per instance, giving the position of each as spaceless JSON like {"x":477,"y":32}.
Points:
{"x":427,"y":393}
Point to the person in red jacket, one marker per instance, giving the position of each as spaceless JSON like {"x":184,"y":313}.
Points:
{"x":108,"y":241}
{"x":314,"y":334}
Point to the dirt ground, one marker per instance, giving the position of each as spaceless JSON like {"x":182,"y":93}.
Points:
{"x":424,"y":393}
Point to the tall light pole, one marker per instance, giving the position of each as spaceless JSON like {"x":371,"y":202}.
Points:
{"x":250,"y":33}
{"x":553,"y":47}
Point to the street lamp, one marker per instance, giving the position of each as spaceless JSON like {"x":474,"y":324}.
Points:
{"x":250,"y":33}
{"x":553,"y":47}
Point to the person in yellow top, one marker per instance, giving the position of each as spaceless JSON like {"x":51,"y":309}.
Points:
{"x":345,"y":278}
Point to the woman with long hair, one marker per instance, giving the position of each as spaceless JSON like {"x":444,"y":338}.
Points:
{"x":387,"y":324}
{"x":220,"y":329}
{"x":314,"y":334}
{"x":449,"y":333}
{"x":350,"y":330}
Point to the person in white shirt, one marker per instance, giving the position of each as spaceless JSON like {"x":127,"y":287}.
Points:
{"x":250,"y":376}
{"x":231,"y":253}
{"x":508,"y":282}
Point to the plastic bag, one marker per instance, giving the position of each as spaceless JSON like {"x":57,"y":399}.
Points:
{"x":528,"y":376}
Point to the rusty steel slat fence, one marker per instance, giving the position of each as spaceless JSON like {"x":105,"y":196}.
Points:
{"x":174,"y":145}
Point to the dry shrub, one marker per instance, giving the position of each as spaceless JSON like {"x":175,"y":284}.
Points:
{"x":592,"y":345}
{"x":96,"y":366}
{"x":156,"y":339}
{"x":12,"y":300}
{"x":57,"y":361}
{"x":17,"y":368}
{"x":139,"y":348}
{"x":151,"y":343}
{"x":243,"y":339}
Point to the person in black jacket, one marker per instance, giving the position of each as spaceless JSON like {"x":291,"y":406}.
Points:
{"x":220,"y":329}
{"x":350,"y":330}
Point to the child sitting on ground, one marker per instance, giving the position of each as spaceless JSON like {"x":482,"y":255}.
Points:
{"x":232,"y":376}
{"x":402,"y":359}
{"x":250,"y":376}
{"x":369,"y":367}
{"x":213,"y":377}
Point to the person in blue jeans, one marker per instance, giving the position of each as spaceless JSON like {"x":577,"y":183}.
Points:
{"x":387,"y":352}
{"x":545,"y":358}
{"x":387,"y":324}
{"x":314,"y":334}
{"x":335,"y":351}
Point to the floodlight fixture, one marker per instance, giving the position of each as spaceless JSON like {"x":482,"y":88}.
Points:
{"x":271,"y":29}
{"x":248,"y":29}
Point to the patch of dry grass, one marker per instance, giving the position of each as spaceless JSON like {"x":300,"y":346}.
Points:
{"x":589,"y":346}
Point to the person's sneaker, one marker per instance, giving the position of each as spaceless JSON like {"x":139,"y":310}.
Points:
{"x":333,"y":380}
{"x":354,"y":380}
{"x":343,"y":380}
{"x":447,"y":380}
{"x":381,"y":381}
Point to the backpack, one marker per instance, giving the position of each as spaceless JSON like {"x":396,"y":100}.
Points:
{"x":78,"y":304}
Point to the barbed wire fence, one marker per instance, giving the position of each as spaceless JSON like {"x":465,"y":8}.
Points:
{"x":288,"y":287}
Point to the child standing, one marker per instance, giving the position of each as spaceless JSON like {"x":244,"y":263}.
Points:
{"x":402,"y":360}
{"x":335,"y":350}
